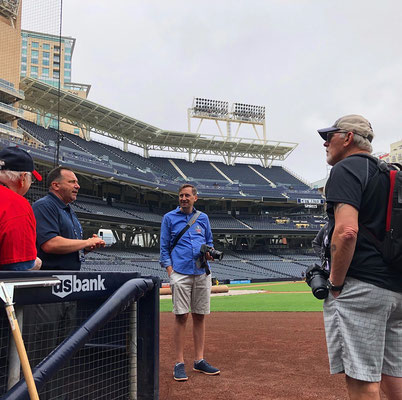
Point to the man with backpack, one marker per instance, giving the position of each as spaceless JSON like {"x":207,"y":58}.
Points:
{"x":183,"y":232}
{"x":363,"y":311}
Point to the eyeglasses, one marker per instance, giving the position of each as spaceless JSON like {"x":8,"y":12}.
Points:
{"x":330,"y":135}
{"x":33,"y":179}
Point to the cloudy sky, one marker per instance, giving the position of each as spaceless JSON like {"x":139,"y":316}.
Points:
{"x":307,"y":61}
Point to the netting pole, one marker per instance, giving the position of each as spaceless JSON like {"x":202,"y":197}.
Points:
{"x":148,"y":345}
{"x":14,"y":364}
{"x":59,"y":134}
{"x":133,"y":351}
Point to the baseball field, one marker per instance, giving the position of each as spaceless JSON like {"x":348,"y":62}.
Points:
{"x":268,"y":344}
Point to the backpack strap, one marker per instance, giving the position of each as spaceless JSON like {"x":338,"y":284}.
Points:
{"x":185,"y":229}
{"x":392,"y":178}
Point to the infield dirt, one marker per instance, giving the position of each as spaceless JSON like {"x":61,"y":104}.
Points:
{"x":261,"y":355}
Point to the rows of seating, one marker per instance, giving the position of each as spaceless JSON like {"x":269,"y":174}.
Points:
{"x":236,"y":181}
{"x":219,"y":221}
{"x":233,"y":266}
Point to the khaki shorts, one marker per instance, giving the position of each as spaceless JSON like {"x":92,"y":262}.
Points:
{"x":190,"y":293}
{"x":364,"y":331}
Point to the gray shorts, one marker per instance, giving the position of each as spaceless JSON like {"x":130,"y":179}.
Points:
{"x":190,"y":292}
{"x":363,"y":328}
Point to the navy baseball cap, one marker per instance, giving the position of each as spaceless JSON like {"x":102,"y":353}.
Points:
{"x":350,"y":123}
{"x":16,"y":159}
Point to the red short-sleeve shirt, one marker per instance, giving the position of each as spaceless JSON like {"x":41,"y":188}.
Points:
{"x":17,"y":228}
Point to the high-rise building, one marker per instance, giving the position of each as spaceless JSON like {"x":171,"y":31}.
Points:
{"x":48,"y":58}
{"x":10,"y":48}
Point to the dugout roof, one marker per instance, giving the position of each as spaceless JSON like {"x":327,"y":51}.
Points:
{"x":44,"y":98}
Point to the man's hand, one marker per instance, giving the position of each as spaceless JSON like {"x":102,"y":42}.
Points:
{"x":169,"y":270}
{"x":93,"y":243}
{"x":208,"y":256}
{"x":37,"y":265}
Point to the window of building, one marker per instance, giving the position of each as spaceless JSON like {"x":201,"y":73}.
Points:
{"x":67,"y":74}
{"x":34,"y":71}
{"x":34,"y":53}
{"x":67,"y":65}
{"x":24,"y":43}
{"x":56,"y":74}
{"x":45,"y":62}
{"x":57,"y":49}
{"x":24,"y":52}
{"x":67,"y":57}
{"x":46,"y":46}
{"x":24,"y":59}
{"x":56,"y":65}
{"x":56,"y":58}
{"x":35,"y":45}
{"x":45,"y":72}
{"x":45,"y":54}
{"x":34,"y":61}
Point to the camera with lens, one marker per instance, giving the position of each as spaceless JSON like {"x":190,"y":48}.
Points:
{"x":316,"y":278}
{"x":215,"y":254}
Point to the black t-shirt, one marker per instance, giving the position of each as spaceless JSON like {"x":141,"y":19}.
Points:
{"x":357,"y":181}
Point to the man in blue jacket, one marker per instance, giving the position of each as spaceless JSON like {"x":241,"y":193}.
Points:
{"x":191,"y":286}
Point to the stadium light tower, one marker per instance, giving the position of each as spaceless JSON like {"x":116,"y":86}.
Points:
{"x":218,"y":111}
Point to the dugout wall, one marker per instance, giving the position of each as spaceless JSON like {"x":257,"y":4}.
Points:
{"x":93,"y":336}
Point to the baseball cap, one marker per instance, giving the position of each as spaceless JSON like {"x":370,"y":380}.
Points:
{"x":350,"y":123}
{"x":16,"y":159}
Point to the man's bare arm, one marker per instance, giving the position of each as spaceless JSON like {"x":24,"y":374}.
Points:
{"x":61,"y":245}
{"x":343,"y":241}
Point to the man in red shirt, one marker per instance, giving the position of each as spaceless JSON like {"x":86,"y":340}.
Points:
{"x":17,"y":221}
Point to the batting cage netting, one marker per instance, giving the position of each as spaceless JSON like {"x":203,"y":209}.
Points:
{"x":92,"y":336}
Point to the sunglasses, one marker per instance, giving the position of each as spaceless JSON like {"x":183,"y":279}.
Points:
{"x":330,"y":135}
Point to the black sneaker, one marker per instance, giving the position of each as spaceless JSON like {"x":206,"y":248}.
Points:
{"x":179,"y":373}
{"x":205,"y":368}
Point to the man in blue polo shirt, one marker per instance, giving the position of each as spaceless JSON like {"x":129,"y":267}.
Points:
{"x":58,"y":232}
{"x":191,"y":286}
{"x":61,"y":247}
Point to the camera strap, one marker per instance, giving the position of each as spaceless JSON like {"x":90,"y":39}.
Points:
{"x":185,"y":229}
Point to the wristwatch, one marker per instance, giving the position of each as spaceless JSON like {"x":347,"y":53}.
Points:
{"x":331,"y":286}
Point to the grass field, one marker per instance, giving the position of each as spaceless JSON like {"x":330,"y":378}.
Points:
{"x":279,"y":296}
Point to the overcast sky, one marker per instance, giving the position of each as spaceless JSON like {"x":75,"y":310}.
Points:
{"x":307,"y":61}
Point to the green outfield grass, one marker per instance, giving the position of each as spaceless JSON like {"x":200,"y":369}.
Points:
{"x":281,"y":297}
{"x":274,"y":286}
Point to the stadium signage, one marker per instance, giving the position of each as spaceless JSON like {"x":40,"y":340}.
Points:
{"x":310,"y":201}
{"x":72,"y":284}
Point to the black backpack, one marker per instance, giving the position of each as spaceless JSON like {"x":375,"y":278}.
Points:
{"x":391,"y":246}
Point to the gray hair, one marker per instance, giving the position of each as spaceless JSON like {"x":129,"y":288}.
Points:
{"x":362,"y":143}
{"x":10,"y":176}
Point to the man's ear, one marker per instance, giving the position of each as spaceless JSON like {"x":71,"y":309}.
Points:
{"x":348,"y":139}
{"x":23,"y":176}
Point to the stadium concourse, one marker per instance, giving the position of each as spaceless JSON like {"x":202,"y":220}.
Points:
{"x":258,"y":215}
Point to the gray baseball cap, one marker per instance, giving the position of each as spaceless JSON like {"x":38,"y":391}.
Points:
{"x":350,"y":123}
